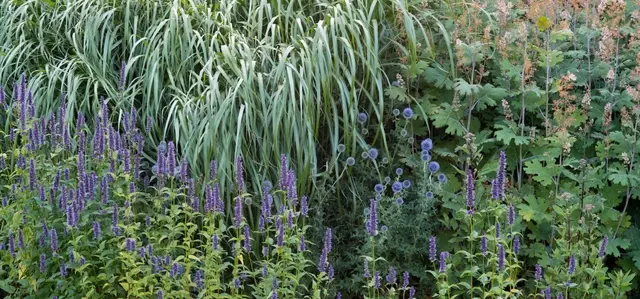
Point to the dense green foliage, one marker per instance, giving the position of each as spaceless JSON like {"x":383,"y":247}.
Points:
{"x":351,"y":91}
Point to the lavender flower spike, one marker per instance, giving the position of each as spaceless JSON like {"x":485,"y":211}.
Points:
{"x":572,"y":264}
{"x":501,"y":175}
{"x":372,"y":224}
{"x":603,"y":246}
{"x":470,"y":192}
{"x":237,"y":220}
{"x":432,"y":249}
{"x":501,"y":257}
{"x":443,"y":261}
{"x":240,"y":175}
{"x":538,"y":274}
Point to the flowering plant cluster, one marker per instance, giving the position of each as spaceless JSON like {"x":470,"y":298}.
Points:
{"x":81,"y":216}
{"x":487,"y":256}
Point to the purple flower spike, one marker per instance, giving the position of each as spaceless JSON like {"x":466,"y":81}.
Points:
{"x":405,"y":279}
{"x":372,"y":224}
{"x":500,"y":257}
{"x":171,"y":159}
{"x":43,"y":261}
{"x":54,"y":240}
{"x":376,"y":280}
{"x":412,"y":293}
{"x":470,"y":192}
{"x":392,"y":276}
{"x":603,"y":246}
{"x":443,"y":261}
{"x":516,"y":245}
{"x":12,"y":244}
{"x":538,"y":274}
{"x":501,"y":176}
{"x":432,"y":249}
{"x":240,"y":175}
{"x":483,"y":244}
{"x":572,"y":264}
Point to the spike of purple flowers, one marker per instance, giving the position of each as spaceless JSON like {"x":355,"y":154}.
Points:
{"x":372,"y":224}
{"x":405,"y":280}
{"x":304,"y":206}
{"x":171,"y":159}
{"x":12,"y":244}
{"x":432,"y":249}
{"x":538,"y":273}
{"x":501,"y":257}
{"x":501,"y":175}
{"x":280,"y":230}
{"x":483,"y":244}
{"x":392,"y":276}
{"x":240,"y":175}
{"x":284,"y":172}
{"x":32,"y":174}
{"x":603,"y":246}
{"x":366,"y":274}
{"x":54,"y":240}
{"x":470,"y":192}
{"x":516,"y":245}
{"x":572,"y":264}
{"x":443,"y":261}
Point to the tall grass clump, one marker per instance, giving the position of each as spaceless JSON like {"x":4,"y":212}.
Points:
{"x":218,"y":78}
{"x":80,"y":217}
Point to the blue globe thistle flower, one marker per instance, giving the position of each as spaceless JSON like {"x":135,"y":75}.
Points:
{"x":407,"y":113}
{"x":395,"y":112}
{"x":434,"y":166}
{"x":351,"y":161}
{"x":341,"y":148}
{"x":362,"y":117}
{"x":387,"y":179}
{"x":399,"y":171}
{"x":397,"y":187}
{"x":378,"y":196}
{"x":429,"y":195}
{"x":373,"y":153}
{"x":384,"y":228}
{"x":378,"y":188}
{"x":426,"y":145}
{"x":442,"y":178}
{"x":406,"y":184}
{"x":403,"y":132}
{"x":399,"y":201}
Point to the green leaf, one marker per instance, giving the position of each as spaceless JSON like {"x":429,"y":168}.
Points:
{"x":464,"y":88}
{"x":506,"y":134}
{"x":396,"y":93}
{"x":438,"y":77}
{"x":541,"y":174}
{"x":613,"y":245}
{"x":446,"y":117}
{"x":489,"y":95}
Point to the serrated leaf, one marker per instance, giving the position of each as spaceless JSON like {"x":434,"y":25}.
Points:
{"x":446,"y":117}
{"x":506,"y":134}
{"x":464,"y":88}
{"x":613,"y":245}
{"x":438,"y":77}
{"x":541,"y":174}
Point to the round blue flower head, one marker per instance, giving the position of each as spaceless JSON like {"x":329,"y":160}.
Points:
{"x":384,"y":229}
{"x":426,"y":144}
{"x":373,"y":153}
{"x":442,"y":178}
{"x":362,"y":117}
{"x":387,"y":179}
{"x":406,"y":184}
{"x":397,"y":187}
{"x":351,"y":161}
{"x":399,"y":201}
{"x":396,"y":112}
{"x":399,"y":171}
{"x":379,"y":188}
{"x":407,"y":113}
{"x":403,"y":132}
{"x":429,"y":195}
{"x":365,"y":155}
{"x":425,"y":156}
{"x":434,"y":166}
{"x":378,"y":196}
{"x":341,"y":148}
